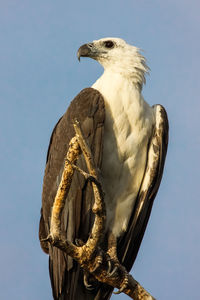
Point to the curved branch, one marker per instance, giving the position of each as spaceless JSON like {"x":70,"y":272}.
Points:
{"x":90,"y":256}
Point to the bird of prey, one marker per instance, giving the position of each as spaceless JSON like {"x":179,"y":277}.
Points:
{"x":128,"y":139}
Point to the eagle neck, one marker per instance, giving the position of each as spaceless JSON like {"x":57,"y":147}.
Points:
{"x":118,"y":88}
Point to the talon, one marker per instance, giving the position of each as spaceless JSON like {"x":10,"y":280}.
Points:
{"x":118,"y":292}
{"x":113,"y":272}
{"x":98,"y":262}
{"x":124,"y":285}
{"x":109,"y":267}
{"x":86,"y":283}
{"x":89,"y":281}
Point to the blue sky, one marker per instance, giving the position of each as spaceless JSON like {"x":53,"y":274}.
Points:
{"x":40,"y":75}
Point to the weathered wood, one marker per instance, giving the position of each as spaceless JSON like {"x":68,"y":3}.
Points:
{"x":90,"y":256}
{"x":64,"y":186}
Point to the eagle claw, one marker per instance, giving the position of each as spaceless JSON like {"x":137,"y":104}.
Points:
{"x":124,"y":284}
{"x":88,"y":285}
{"x":98,"y":261}
{"x":111,"y":271}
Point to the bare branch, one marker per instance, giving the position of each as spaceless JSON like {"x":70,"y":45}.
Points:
{"x":90,"y":256}
{"x":99,"y":205}
{"x":64,"y":186}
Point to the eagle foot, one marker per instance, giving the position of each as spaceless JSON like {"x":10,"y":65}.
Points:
{"x":113,"y":261}
{"x":113,"y":264}
{"x":89,"y":281}
{"x":111,"y":271}
{"x":124,"y":284}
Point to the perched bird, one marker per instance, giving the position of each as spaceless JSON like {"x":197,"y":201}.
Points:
{"x":128,"y":139}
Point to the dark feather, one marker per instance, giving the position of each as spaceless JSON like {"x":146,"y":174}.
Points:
{"x":66,"y":276}
{"x":129,"y":244}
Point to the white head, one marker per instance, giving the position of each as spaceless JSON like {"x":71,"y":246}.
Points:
{"x":116,"y":55}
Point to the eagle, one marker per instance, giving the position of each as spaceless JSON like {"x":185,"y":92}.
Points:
{"x":128,"y":139}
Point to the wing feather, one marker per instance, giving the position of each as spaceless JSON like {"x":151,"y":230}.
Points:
{"x":88,"y":108}
{"x":129,"y":244}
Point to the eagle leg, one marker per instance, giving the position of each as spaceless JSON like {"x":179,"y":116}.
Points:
{"x":112,"y":248}
{"x":88,"y":279}
{"x":112,"y":253}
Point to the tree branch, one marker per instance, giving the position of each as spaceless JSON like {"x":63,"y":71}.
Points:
{"x":90,"y":256}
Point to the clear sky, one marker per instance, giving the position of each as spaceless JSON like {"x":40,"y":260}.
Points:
{"x":40,"y":74}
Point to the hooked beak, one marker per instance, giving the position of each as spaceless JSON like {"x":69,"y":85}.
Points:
{"x":87,"y":50}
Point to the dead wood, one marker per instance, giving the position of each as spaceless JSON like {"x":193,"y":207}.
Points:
{"x":90,"y":256}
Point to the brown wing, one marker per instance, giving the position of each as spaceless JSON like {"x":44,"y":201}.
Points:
{"x":66,"y":276}
{"x":129,"y":244}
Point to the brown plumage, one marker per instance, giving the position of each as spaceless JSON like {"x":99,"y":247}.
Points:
{"x":88,"y":108}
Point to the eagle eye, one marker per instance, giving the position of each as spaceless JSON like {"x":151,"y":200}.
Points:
{"x":108,"y":44}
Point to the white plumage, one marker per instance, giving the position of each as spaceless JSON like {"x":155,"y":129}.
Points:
{"x":128,"y":129}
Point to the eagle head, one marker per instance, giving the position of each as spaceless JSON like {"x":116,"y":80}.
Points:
{"x":116,"y":55}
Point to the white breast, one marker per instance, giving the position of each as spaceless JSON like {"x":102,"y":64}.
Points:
{"x":128,"y":128}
